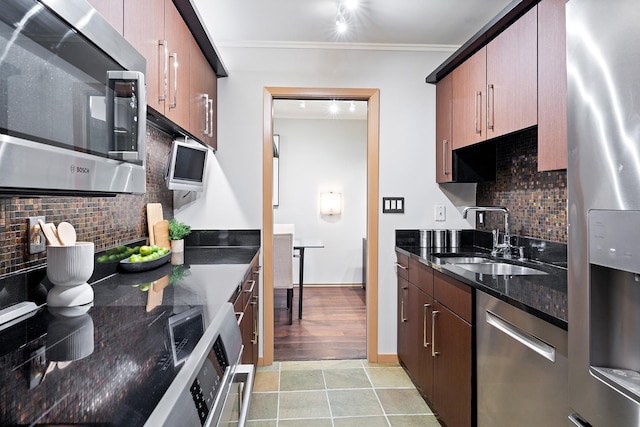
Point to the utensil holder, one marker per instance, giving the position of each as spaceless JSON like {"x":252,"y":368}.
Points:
{"x":69,"y":268}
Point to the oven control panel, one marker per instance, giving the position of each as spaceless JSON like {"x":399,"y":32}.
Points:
{"x":205,"y":387}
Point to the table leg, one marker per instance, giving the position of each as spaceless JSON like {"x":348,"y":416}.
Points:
{"x":300,"y":282}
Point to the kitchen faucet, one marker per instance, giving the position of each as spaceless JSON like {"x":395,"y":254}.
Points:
{"x":503,"y":248}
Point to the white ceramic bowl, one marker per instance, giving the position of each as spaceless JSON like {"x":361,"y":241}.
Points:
{"x":70,"y":265}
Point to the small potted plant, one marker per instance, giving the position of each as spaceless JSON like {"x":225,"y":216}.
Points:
{"x":177,"y":232}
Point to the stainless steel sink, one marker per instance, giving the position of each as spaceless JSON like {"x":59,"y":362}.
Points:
{"x":466,"y":260}
{"x":499,"y":268}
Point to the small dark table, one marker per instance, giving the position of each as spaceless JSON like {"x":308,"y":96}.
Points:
{"x":300,"y":245}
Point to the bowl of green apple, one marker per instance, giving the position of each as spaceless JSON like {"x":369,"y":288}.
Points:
{"x":146,"y":258}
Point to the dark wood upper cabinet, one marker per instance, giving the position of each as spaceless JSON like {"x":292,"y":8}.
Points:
{"x":146,"y":35}
{"x":203,"y":87}
{"x":180,"y":80}
{"x":552,"y":85}
{"x":512,"y":80}
{"x":469,"y":101}
{"x":178,"y":36}
{"x":444,"y":129}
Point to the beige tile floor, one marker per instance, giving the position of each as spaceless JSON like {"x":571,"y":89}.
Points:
{"x":336,"y":393}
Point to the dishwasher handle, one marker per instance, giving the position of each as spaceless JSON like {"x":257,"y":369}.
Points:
{"x":575,"y":419}
{"x":542,"y":348}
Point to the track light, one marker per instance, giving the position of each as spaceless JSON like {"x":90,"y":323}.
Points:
{"x":341,"y":21}
{"x":351,"y":4}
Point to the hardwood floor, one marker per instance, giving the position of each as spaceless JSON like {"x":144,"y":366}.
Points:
{"x":333,"y":325}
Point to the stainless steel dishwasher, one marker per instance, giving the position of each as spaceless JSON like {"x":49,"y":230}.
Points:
{"x":521,"y":367}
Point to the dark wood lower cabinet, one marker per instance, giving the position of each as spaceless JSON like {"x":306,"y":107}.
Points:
{"x":452,"y":368}
{"x":435,"y":340}
{"x":246,"y":303}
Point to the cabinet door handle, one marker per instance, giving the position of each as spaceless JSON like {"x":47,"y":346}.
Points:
{"x":444,"y":157}
{"x":254,"y":303}
{"x":490,"y":107}
{"x":404,"y":289}
{"x":478,"y":111}
{"x":400,"y":266}
{"x":165,"y":72}
{"x":240,"y":315}
{"x":206,"y":130}
{"x":253,"y":285}
{"x":210,"y":118}
{"x":434,"y":353}
{"x":425,"y":343}
{"x":523,"y":337}
{"x":174,"y":55}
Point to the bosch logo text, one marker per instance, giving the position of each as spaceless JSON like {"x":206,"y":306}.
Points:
{"x":79,"y":169}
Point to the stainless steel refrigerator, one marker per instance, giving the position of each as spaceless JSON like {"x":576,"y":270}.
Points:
{"x":603,"y":82}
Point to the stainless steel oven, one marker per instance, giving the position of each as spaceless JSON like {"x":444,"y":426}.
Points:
{"x":213,"y":388}
{"x":72,"y":102}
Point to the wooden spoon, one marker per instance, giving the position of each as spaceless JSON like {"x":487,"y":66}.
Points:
{"x":66,"y":234}
{"x":49,"y":231}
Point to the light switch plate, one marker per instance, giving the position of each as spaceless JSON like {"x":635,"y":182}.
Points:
{"x":37,"y":242}
{"x":393,"y":205}
{"x":440,"y":213}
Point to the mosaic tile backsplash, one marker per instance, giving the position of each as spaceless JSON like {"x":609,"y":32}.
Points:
{"x":106,"y":221}
{"x":537,"y":201}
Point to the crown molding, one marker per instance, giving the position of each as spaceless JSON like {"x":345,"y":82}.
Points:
{"x":338,"y":46}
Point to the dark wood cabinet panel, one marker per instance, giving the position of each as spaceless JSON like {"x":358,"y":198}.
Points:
{"x":469,"y":102}
{"x":435,"y":340}
{"x":402,"y":265}
{"x":453,"y":370}
{"x":421,"y":276}
{"x":203,"y":86}
{"x":178,"y":74}
{"x":512,"y":80}
{"x":455,"y":295}
{"x":179,"y":38}
{"x":552,"y":85}
{"x":420,"y":307}
{"x":145,"y":34}
{"x":444,"y":143}
{"x":246,"y":305}
{"x":112,"y":11}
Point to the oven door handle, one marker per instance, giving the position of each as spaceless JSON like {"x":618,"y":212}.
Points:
{"x":246,"y":372}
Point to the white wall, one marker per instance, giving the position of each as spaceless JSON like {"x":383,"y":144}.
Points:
{"x":321,"y":156}
{"x":233,"y":198}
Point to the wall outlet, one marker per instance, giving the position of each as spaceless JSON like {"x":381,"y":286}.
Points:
{"x":440,"y":213}
{"x":36,"y":238}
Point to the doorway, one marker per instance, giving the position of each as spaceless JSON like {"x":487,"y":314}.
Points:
{"x":371,"y":96}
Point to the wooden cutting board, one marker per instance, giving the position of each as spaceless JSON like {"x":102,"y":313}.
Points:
{"x":154,"y":214}
{"x":154,"y":295}
{"x":161,"y":233}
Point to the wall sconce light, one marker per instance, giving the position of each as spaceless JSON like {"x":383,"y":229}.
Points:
{"x":330,"y":203}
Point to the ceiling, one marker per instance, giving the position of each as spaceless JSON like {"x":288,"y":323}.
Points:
{"x":375,"y":24}
{"x":401,"y":22}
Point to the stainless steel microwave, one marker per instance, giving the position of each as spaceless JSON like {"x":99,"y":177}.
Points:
{"x":72,"y":102}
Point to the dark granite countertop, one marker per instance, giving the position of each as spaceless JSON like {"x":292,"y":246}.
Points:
{"x":544,"y":296}
{"x":111,"y":362}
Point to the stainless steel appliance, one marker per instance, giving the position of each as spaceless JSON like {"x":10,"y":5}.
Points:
{"x":604,"y":211}
{"x":72,"y":102}
{"x":522,"y":367}
{"x":213,"y":388}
